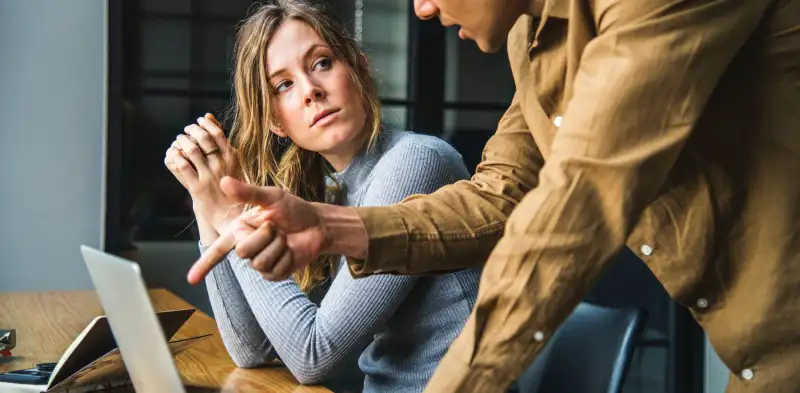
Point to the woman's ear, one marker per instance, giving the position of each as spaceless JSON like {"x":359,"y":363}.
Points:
{"x":364,"y":59}
{"x":277,"y":129}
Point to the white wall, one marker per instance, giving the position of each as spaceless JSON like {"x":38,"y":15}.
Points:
{"x":52,"y":140}
{"x":716,"y":374}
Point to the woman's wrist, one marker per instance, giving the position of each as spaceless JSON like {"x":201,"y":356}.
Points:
{"x":343,"y":231}
{"x":208,"y":234}
{"x":217,"y":218}
{"x":205,"y":225}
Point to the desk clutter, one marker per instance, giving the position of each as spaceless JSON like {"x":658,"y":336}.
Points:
{"x":92,"y":362}
{"x":8,"y":340}
{"x":205,"y":365}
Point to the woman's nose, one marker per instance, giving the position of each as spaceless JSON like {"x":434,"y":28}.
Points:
{"x":313,"y":92}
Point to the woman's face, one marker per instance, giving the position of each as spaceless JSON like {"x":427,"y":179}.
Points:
{"x":314,"y":100}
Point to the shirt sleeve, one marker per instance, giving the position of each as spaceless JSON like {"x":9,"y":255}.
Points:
{"x":641,"y":86}
{"x":458,"y":225}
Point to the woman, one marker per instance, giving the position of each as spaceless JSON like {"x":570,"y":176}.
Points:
{"x":307,"y":116}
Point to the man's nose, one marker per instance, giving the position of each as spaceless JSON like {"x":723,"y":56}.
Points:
{"x":425,"y":9}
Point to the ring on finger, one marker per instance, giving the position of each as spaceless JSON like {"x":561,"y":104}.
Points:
{"x":215,"y":150}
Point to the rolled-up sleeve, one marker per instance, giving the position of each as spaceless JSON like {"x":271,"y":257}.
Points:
{"x":641,"y":86}
{"x":458,"y":225}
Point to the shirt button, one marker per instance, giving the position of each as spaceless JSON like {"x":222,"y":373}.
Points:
{"x":747,"y":374}
{"x":702,"y":303}
{"x":557,"y":121}
{"x":646,"y":250}
{"x":538,"y":336}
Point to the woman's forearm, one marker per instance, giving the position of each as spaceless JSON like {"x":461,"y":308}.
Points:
{"x":246,"y":343}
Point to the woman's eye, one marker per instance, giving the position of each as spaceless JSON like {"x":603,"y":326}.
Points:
{"x":283,"y":86}
{"x":323,"y":64}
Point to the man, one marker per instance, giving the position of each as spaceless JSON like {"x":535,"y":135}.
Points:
{"x":670,"y":125}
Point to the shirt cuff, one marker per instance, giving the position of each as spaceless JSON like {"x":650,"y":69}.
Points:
{"x":387,"y":250}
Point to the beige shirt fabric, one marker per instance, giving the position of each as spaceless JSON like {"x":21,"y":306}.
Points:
{"x":672,"y":127}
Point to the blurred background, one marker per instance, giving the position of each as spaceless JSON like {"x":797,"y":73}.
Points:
{"x":93,"y":92}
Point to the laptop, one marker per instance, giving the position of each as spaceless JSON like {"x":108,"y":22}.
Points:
{"x":136,"y":328}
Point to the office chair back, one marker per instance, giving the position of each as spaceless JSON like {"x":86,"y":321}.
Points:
{"x":590,"y":352}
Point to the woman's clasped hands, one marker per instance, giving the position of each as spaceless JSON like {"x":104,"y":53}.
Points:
{"x":199,"y":160}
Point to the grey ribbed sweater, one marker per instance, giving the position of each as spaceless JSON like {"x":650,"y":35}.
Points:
{"x":406,"y":323}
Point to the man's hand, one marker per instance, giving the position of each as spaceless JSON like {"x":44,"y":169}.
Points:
{"x":299,"y":240}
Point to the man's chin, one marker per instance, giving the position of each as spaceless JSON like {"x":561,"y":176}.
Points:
{"x":489,"y":46}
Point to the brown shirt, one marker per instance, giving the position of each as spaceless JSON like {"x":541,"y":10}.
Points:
{"x":672,"y":126}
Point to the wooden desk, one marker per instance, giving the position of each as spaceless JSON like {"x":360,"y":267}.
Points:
{"x":48,"y":322}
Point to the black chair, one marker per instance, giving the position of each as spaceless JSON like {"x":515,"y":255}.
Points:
{"x":590,"y":352}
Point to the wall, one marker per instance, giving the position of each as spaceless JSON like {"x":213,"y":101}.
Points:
{"x":716,"y":374}
{"x":52,"y":141}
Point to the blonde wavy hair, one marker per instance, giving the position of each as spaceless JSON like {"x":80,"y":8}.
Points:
{"x":264,"y":161}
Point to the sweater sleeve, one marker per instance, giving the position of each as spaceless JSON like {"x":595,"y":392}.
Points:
{"x":312,"y":341}
{"x":246,"y":343}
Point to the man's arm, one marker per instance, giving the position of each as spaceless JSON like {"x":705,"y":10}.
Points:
{"x":641,"y":86}
{"x":454,"y":228}
{"x":458,"y":225}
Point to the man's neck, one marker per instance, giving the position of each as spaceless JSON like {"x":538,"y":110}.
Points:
{"x":536,"y":7}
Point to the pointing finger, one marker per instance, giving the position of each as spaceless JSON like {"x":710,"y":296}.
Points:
{"x":248,"y":193}
{"x":213,"y":255}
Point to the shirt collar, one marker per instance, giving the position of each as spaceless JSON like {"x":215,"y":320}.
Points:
{"x":356,"y":173}
{"x":556,"y":8}
{"x":552,"y":8}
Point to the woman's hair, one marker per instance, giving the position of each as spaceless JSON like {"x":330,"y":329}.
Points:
{"x":265,"y":161}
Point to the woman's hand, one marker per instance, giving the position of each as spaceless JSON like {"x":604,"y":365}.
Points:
{"x":199,"y":159}
{"x":170,"y":161}
{"x":175,"y":152}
